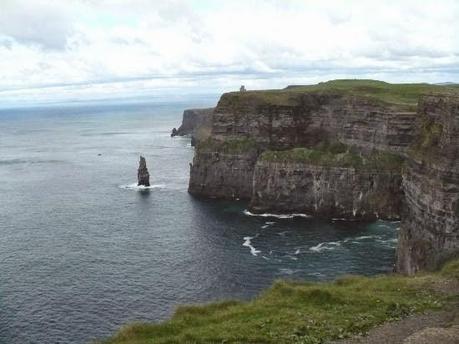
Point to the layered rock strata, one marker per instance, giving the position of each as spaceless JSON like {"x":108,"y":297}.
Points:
{"x":299,"y":120}
{"x":329,"y":192}
{"x":430,"y":221}
{"x":196,"y":123}
{"x":278,"y":149}
{"x":304,"y":120}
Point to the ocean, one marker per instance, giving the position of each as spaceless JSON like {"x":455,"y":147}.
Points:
{"x":84,"y":251}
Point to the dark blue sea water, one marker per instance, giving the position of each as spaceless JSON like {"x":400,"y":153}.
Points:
{"x":82,"y":252}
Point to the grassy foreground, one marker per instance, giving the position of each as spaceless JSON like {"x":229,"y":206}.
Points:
{"x":292,"y":312}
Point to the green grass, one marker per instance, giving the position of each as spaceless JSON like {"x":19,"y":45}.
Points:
{"x":294,"y":312}
{"x":336,"y":155}
{"x":404,"y":96}
{"x":229,"y":146}
{"x":426,"y":145}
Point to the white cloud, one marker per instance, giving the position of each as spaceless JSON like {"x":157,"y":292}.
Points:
{"x":214,"y":44}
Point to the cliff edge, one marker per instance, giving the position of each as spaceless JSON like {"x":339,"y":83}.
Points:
{"x":196,"y":123}
{"x":334,"y":149}
{"x":348,"y":149}
{"x":430,"y":220}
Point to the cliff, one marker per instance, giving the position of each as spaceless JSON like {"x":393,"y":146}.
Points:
{"x":368,"y":117}
{"x":295,"y":119}
{"x":430,"y":220}
{"x":342,"y":149}
{"x":195,"y":122}
{"x":223,"y":169}
{"x":340,"y":185}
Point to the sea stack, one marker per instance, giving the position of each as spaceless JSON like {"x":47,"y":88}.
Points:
{"x":143,"y":176}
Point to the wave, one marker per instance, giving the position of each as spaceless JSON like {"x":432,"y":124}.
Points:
{"x":279,"y":216}
{"x":323,"y":246}
{"x":268,"y":224}
{"x":248,"y":243}
{"x":388,"y":242}
{"x":364,"y":237}
{"x":316,"y":274}
{"x":287,"y":271}
{"x":334,"y":219}
{"x":136,"y":187}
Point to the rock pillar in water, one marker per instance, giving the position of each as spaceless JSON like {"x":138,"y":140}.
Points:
{"x":143,"y":176}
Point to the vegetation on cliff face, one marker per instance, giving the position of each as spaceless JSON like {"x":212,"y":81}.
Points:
{"x":229,"y":146}
{"x":404,"y":96}
{"x":294,"y":312}
{"x":426,"y":144}
{"x":336,"y":155}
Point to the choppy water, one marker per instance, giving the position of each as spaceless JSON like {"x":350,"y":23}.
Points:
{"x":82,"y":251}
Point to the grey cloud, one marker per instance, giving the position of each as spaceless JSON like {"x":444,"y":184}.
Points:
{"x":36,"y":23}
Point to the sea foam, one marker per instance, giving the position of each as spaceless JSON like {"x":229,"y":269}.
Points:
{"x":279,"y":216}
{"x":248,"y":243}
{"x":136,"y":187}
{"x":323,"y":246}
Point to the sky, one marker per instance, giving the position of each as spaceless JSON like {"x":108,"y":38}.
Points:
{"x":54,"y":50}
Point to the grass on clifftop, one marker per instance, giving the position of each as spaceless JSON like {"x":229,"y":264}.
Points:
{"x":404,"y":96}
{"x":293,"y":312}
{"x":336,"y":155}
{"x":229,"y":146}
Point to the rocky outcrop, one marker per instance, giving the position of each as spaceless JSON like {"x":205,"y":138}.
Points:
{"x":303,"y":120}
{"x":278,"y":149}
{"x":330,"y":192}
{"x":220,"y":175}
{"x":195,"y":122}
{"x":223,"y":170}
{"x":295,"y":120}
{"x":143,"y":177}
{"x":430,"y":220}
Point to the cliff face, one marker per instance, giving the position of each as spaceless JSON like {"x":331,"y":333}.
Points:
{"x":298,"y":120}
{"x":217,"y":174}
{"x":430,"y":220}
{"x":330,"y":192}
{"x":195,"y":122}
{"x":303,"y":120}
{"x":338,"y":151}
